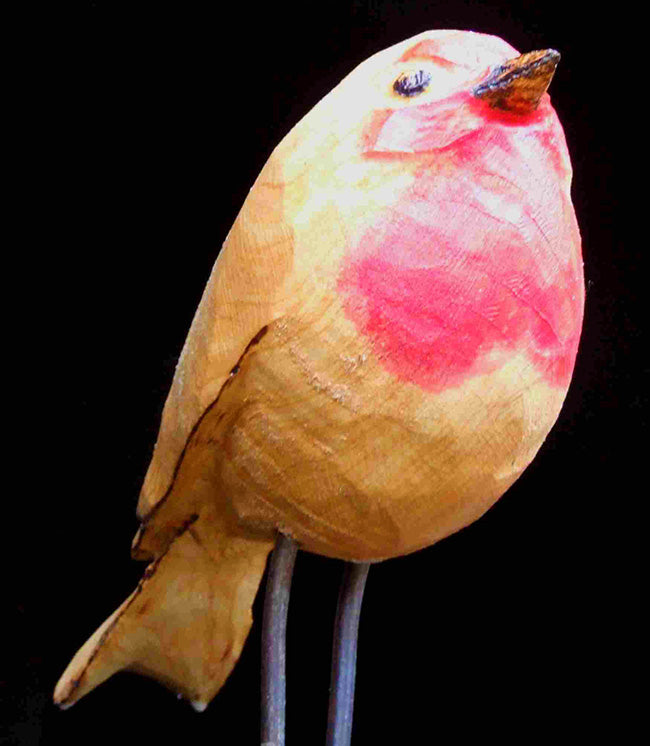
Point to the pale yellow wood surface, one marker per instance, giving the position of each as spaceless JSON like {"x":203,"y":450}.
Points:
{"x":186,"y":623}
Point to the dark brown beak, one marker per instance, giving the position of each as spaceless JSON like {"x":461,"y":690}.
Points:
{"x":519,"y":84}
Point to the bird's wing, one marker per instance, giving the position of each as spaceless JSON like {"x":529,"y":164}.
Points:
{"x":244,"y":294}
{"x":187,"y":621}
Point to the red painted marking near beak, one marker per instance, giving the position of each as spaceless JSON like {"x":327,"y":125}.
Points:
{"x":474,"y":260}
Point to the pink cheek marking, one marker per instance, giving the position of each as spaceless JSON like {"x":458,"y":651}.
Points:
{"x":440,"y":281}
{"x":371,"y":131}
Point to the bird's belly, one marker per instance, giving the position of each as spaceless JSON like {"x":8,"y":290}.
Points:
{"x":319,"y":440}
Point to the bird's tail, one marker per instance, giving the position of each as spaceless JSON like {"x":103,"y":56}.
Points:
{"x":185,"y":624}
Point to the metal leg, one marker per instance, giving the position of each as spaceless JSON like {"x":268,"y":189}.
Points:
{"x":274,"y":638}
{"x":344,"y":654}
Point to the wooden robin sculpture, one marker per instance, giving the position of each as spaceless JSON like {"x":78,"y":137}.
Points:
{"x":385,"y":340}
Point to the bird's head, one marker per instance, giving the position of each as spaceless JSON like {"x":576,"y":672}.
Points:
{"x":421,"y":96}
{"x":449,"y":84}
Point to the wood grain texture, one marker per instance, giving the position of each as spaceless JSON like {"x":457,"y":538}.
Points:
{"x":385,"y":340}
{"x":187,"y":621}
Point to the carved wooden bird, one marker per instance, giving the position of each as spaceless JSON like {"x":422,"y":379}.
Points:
{"x":385,"y":340}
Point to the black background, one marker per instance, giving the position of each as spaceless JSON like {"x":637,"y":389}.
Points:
{"x":143,"y":127}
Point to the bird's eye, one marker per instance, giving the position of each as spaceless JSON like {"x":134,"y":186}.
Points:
{"x":411,"y":84}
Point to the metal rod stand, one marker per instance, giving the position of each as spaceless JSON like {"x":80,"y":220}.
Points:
{"x":344,"y":654}
{"x":274,"y":641}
